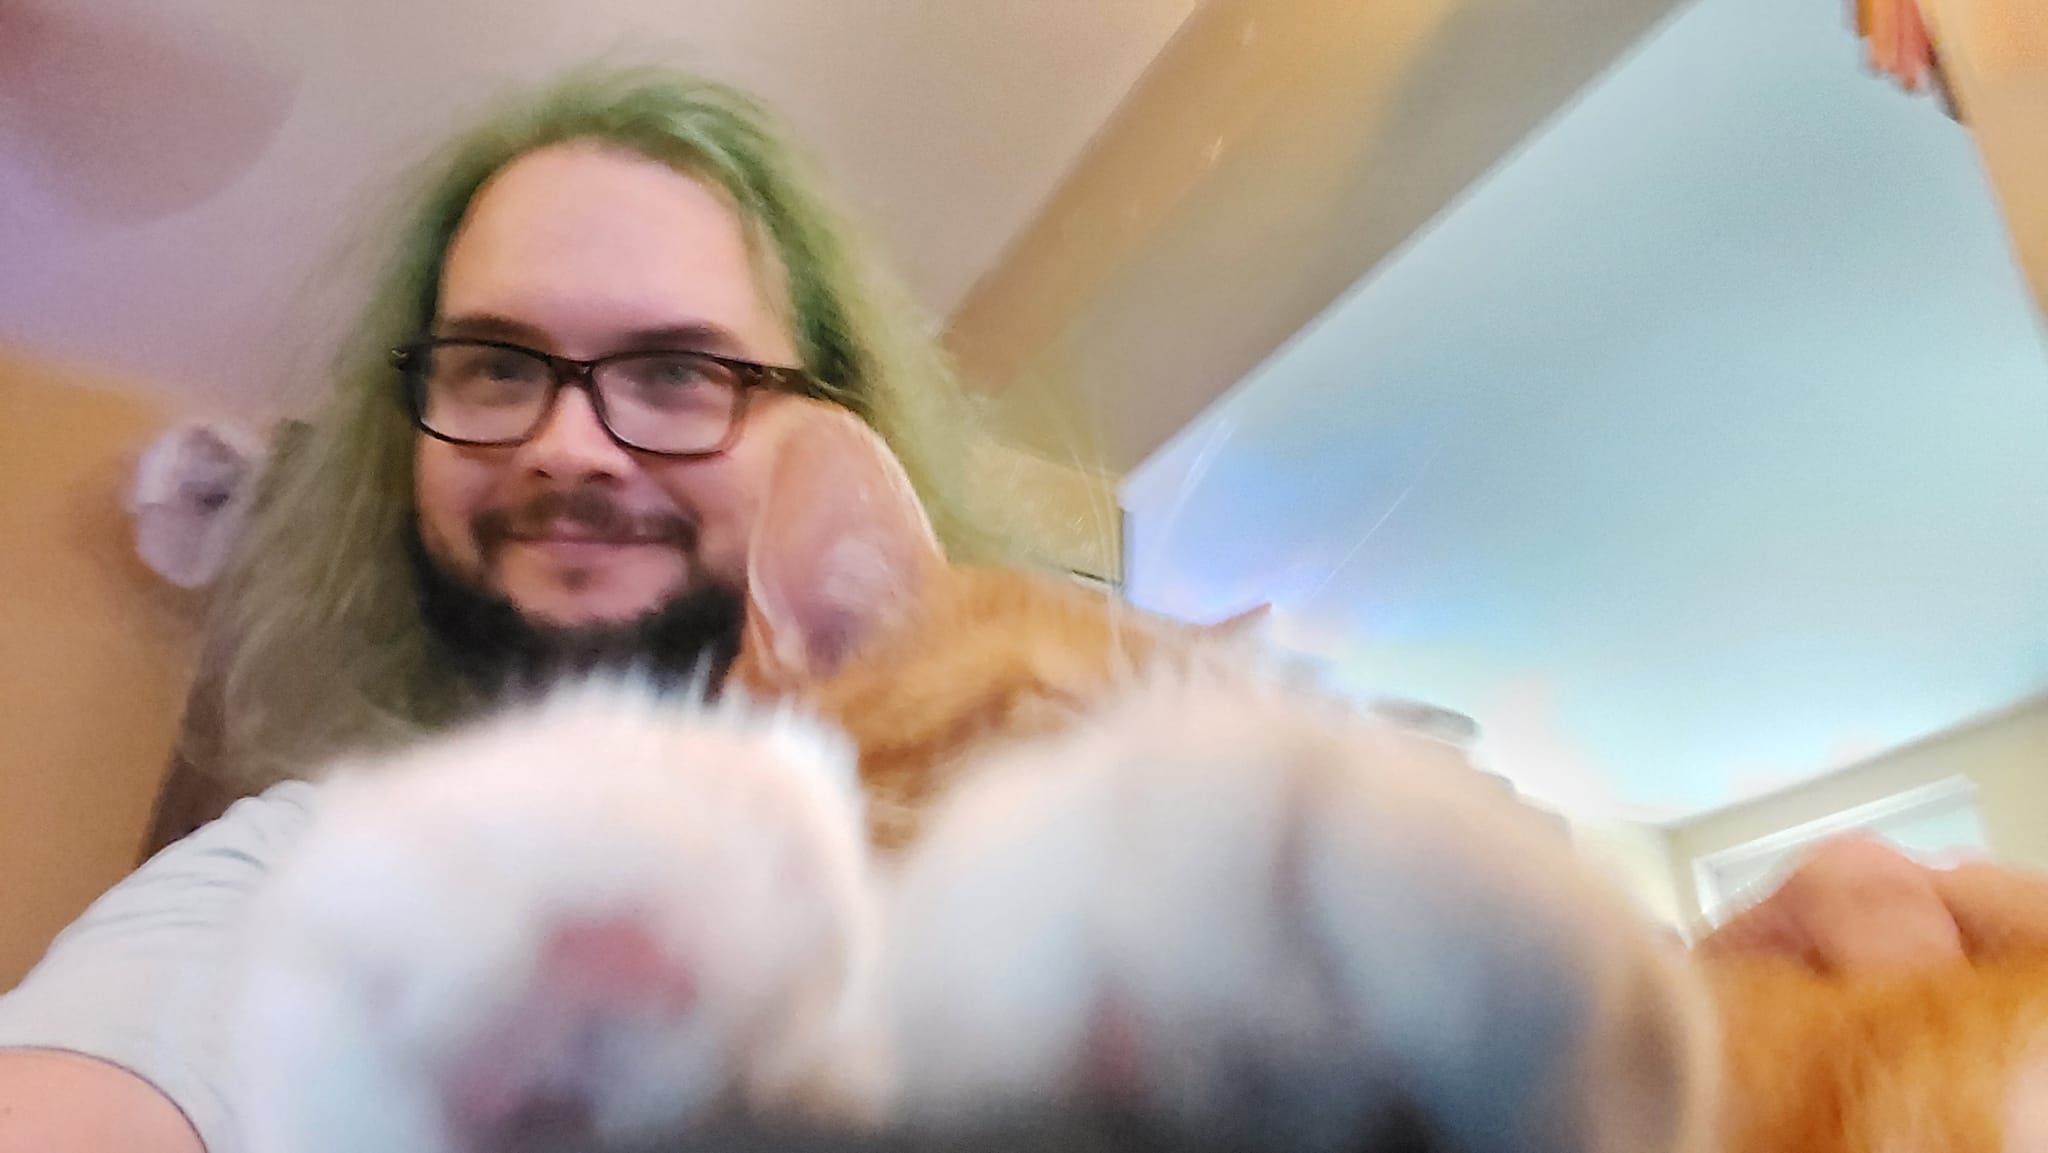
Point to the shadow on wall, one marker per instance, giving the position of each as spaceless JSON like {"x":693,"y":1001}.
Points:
{"x":128,"y":116}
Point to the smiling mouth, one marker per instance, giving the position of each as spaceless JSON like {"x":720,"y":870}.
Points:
{"x":577,"y":542}
{"x":566,"y":531}
{"x":572,"y":537}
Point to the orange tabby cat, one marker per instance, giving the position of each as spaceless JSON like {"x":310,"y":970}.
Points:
{"x":1121,"y":866}
{"x":1955,"y":1059}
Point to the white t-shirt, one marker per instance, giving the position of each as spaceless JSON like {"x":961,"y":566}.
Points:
{"x":139,"y":980}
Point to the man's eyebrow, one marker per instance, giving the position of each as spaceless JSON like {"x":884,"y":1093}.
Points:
{"x":696,"y":336}
{"x":692,"y":336}
{"x":484,"y":326}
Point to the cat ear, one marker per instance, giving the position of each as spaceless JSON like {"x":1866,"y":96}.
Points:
{"x":1253,"y":624}
{"x":191,"y":491}
{"x":841,"y":549}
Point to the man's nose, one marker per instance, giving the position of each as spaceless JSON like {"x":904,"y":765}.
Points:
{"x":572,"y":444}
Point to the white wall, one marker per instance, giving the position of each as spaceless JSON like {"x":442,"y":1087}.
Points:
{"x":2004,"y":755}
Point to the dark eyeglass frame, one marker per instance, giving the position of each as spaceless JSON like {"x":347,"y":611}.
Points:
{"x":750,"y":377}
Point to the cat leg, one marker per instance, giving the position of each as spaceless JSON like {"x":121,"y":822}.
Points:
{"x":613,"y":912}
{"x":1256,"y":914}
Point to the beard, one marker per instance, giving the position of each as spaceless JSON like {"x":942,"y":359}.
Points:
{"x":689,"y":639}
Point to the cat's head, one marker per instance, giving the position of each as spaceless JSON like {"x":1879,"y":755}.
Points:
{"x":853,"y":608}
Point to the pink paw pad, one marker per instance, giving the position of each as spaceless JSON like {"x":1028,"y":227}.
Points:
{"x":540,"y":1061}
{"x":615,"y":961}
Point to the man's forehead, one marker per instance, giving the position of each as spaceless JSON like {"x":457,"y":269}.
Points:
{"x":595,"y":248}
{"x":665,"y":335}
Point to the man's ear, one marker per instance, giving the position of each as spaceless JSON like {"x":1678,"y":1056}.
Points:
{"x":841,"y":549}
{"x":192,"y":489}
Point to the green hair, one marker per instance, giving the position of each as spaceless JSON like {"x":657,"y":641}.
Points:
{"x":317,"y":642}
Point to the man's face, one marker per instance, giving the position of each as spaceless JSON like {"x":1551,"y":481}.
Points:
{"x":583,"y":251}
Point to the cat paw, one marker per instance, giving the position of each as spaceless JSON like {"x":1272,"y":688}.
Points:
{"x":1245,"y":912}
{"x":608,"y":914}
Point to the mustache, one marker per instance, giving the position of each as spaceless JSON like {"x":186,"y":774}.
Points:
{"x":591,"y":510}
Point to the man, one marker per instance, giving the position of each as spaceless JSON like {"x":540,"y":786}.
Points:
{"x":545,"y":450}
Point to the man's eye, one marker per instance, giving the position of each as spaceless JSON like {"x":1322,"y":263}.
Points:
{"x":676,"y":384}
{"x":674,"y":372}
{"x":504,"y":367}
{"x":486,"y":376}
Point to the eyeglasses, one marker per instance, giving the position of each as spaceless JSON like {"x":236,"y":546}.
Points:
{"x":486,"y":393}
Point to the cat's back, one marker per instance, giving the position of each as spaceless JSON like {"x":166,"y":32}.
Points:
{"x":990,"y":656}
{"x":1947,"y":1059}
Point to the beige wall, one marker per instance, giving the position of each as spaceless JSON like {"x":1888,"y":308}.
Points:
{"x":1274,"y":153}
{"x":2005,"y":756}
{"x":94,"y":652}
{"x":1996,"y":55}
{"x":1067,"y":514}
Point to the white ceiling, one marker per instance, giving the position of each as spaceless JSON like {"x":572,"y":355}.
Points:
{"x":1702,"y":447}
{"x":175,"y":179}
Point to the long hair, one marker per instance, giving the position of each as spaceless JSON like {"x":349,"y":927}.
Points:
{"x":317,"y":641}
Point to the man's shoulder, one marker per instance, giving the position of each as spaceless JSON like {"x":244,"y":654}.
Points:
{"x":140,"y":981}
{"x":170,"y":906}
{"x":244,"y":840}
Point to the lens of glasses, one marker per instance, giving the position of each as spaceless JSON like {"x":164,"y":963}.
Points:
{"x":482,"y":393}
{"x":668,"y":402}
{"x":665,"y":402}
